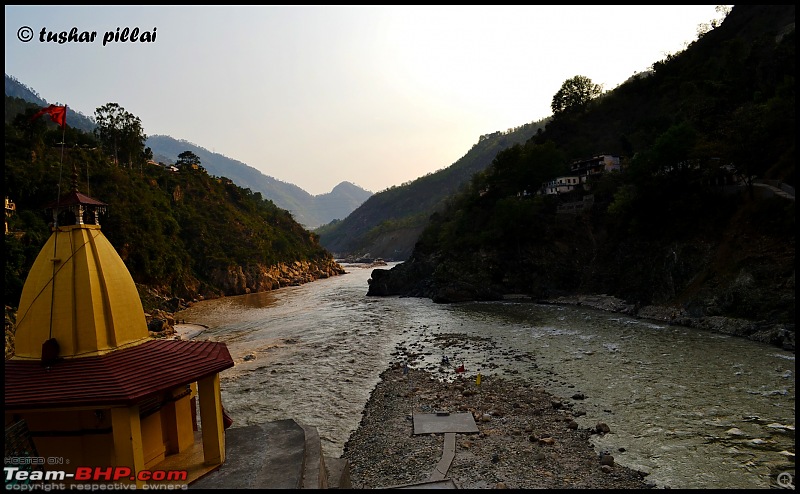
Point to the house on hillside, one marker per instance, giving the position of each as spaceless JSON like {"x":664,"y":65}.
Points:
{"x":578,"y":180}
{"x":581,"y":171}
{"x":561,"y":185}
{"x":596,"y":165}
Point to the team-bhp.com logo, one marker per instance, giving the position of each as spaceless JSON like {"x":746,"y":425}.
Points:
{"x":25,"y":480}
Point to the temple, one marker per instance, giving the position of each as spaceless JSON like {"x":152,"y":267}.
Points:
{"x":88,"y":383}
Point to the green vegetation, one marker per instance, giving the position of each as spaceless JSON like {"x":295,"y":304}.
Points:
{"x":676,"y":154}
{"x":121,"y":135}
{"x":178,"y":232}
{"x":574,"y":95}
{"x":17,"y":94}
{"x":310,"y":211}
{"x":187,"y":159}
{"x":680,"y":129}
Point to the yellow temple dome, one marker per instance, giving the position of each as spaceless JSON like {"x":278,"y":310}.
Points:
{"x":89,"y":384}
{"x":78,"y":292}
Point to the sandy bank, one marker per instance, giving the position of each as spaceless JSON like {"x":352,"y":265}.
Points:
{"x":189,"y":331}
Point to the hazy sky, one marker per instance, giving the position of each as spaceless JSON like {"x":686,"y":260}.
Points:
{"x":316,"y":95}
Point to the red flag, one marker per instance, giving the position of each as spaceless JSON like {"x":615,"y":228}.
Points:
{"x":58,"y":114}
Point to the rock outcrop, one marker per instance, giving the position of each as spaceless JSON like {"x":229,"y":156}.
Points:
{"x":240,"y":280}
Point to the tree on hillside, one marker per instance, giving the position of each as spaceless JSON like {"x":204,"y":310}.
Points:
{"x":705,"y":27}
{"x":121,"y":134}
{"x":746,"y":134}
{"x":575,"y":94}
{"x":187,"y":159}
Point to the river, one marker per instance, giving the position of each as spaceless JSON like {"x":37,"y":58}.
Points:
{"x":693,"y":409}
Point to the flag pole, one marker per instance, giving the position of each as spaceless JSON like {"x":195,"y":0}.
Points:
{"x":55,"y":223}
{"x":63,"y":138}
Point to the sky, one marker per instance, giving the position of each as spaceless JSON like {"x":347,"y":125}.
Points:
{"x":316,"y":95}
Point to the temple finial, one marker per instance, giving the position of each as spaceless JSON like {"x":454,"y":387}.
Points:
{"x":74,"y":177}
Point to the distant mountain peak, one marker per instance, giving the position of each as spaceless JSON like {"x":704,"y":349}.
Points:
{"x":349,"y":187}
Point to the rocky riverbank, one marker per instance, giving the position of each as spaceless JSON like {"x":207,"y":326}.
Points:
{"x":241,"y":280}
{"x":527,"y":439}
{"x":734,"y":274}
{"x":238,"y":280}
{"x":780,"y":335}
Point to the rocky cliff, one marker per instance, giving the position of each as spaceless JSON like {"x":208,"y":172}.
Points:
{"x":239,"y":280}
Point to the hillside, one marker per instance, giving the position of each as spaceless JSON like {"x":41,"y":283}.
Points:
{"x":685,"y":225}
{"x":183,"y":234}
{"x":388,"y":224}
{"x":16,"y":89}
{"x":310,"y":211}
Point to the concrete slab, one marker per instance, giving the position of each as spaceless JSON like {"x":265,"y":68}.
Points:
{"x":264,"y":456}
{"x":440,"y":472}
{"x":436,"y":423}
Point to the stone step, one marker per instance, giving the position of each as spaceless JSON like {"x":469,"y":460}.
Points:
{"x":283,"y":454}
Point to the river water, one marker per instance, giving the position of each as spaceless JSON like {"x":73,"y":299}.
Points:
{"x":694,"y":409}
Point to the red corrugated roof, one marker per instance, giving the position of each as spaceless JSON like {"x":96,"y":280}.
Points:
{"x":72,"y":198}
{"x":121,"y":377}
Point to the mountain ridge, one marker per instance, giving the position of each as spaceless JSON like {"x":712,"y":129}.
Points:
{"x":389,"y":222}
{"x":16,"y":89}
{"x":309,"y":210}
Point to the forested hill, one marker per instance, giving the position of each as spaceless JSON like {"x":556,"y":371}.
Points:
{"x":388,"y":223}
{"x":309,"y":210}
{"x":685,"y":224}
{"x":16,"y":89}
{"x":184,"y":233}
